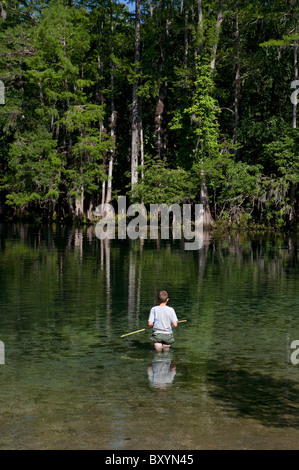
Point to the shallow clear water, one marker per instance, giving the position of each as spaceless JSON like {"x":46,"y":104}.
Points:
{"x":71,"y":382}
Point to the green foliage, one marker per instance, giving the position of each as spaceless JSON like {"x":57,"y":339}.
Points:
{"x":34,"y":168}
{"x":86,"y":169}
{"x":283,"y":157}
{"x":61,"y":42}
{"x":163,"y":185}
{"x":198,"y":122}
{"x":239,"y":189}
{"x":282,"y":185}
{"x":67,"y":66}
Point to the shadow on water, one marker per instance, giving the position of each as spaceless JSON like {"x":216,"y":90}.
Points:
{"x":272,"y":401}
{"x":140,"y":345}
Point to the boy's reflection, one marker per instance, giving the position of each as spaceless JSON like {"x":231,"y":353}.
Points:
{"x":161,"y":373}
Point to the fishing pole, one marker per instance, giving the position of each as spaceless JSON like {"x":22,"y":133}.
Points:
{"x":143,"y":329}
{"x":133,"y":332}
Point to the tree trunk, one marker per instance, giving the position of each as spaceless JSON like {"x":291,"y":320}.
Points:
{"x":295,"y":72}
{"x":111,"y":161}
{"x":200,"y":27}
{"x":112,"y":119}
{"x":135,"y":134}
{"x":217,"y":32}
{"x":207,"y":217}
{"x":186,"y":46}
{"x":103,"y":192}
{"x":141,"y":141}
{"x":158,"y":125}
{"x":104,"y":169}
{"x":100,"y":100}
{"x":160,"y":128}
{"x":237,"y":84}
{"x":79,"y":203}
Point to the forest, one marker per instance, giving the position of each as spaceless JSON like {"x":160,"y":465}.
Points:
{"x":165,"y":102}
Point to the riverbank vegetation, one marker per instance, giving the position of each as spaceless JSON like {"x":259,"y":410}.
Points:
{"x":176,"y":101}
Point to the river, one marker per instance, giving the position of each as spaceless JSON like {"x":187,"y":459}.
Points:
{"x":69,"y":381}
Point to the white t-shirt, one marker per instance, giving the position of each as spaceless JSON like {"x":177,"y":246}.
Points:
{"x":162,"y":318}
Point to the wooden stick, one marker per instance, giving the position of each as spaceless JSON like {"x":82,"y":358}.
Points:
{"x":143,"y":329}
{"x":133,"y":332}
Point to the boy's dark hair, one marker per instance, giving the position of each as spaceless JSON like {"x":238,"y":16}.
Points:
{"x":163,"y":296}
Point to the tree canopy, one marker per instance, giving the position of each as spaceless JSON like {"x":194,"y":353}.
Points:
{"x":193,"y":98}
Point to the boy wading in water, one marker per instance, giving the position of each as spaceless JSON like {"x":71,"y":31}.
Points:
{"x":162,"y":318}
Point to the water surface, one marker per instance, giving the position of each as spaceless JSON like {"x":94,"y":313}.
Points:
{"x":71,"y":382}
